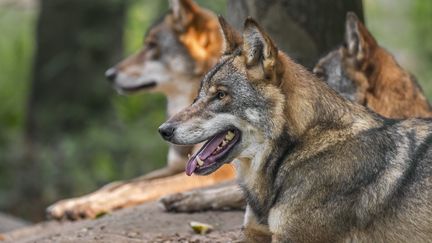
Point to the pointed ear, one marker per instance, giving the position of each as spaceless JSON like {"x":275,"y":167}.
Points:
{"x":258,"y":48}
{"x":183,"y":13}
{"x":232,"y":39}
{"x":359,"y":41}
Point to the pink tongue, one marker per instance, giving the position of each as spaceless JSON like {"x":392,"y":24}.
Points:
{"x":207,"y":149}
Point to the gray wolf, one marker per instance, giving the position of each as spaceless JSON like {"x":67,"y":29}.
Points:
{"x":361,"y":71}
{"x":178,"y":49}
{"x":364,"y":72}
{"x":313,"y":166}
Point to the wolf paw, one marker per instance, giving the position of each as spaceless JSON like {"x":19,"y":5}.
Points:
{"x":223,"y":198}
{"x":74,"y":209}
{"x":184,"y":202}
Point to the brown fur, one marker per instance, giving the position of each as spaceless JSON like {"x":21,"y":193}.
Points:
{"x":203,"y":40}
{"x":313,"y":166}
{"x":197,"y":29}
{"x":125,"y":194}
{"x":392,"y":91}
{"x":316,"y":118}
{"x":381,"y":83}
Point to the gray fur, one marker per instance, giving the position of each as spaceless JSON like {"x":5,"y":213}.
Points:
{"x":334,"y":173}
{"x":330,"y":69}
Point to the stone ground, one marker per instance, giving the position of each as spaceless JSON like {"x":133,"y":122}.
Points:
{"x":145,"y":223}
{"x":9,"y":223}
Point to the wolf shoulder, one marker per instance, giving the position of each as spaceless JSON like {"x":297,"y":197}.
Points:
{"x":374,"y":187}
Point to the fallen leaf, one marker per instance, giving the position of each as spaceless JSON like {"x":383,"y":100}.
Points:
{"x":200,"y":228}
{"x":100,"y":215}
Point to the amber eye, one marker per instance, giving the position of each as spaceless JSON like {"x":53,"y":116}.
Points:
{"x":221,"y":94}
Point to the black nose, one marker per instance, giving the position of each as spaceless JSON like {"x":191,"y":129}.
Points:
{"x":111,"y":74}
{"x":167,"y":131}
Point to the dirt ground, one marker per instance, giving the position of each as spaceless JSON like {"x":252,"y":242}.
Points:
{"x":145,"y":223}
{"x":9,"y":223}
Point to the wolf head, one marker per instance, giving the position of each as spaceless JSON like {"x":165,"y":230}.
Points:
{"x":240,"y":104}
{"x":346,"y":67}
{"x":177,"y":50}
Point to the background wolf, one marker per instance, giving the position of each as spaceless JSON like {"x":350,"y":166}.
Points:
{"x":313,"y":166}
{"x":365,"y":72}
{"x":178,"y":49}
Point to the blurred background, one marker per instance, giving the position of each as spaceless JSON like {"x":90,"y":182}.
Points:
{"x":65,"y":132}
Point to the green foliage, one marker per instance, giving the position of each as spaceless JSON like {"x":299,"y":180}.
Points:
{"x":422,"y":14}
{"x":126,"y":143}
{"x":422,"y":17}
{"x":16,"y":52}
{"x":123,"y":146}
{"x":218,"y":6}
{"x":404,"y":28}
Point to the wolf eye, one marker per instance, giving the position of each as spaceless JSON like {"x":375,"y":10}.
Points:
{"x":220,"y":94}
{"x":151,"y":45}
{"x":321,"y":74}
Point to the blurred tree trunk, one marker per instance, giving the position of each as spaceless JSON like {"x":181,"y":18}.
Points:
{"x":77,"y":40}
{"x":305,"y":29}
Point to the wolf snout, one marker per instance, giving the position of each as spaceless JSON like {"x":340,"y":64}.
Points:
{"x":166,"y":130}
{"x":111,"y":74}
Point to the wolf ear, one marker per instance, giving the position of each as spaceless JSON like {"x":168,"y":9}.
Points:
{"x":359,"y":41}
{"x":258,"y":48}
{"x":232,"y":39}
{"x":183,"y":13}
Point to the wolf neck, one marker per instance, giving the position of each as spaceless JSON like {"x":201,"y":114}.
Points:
{"x":311,"y":104}
{"x":303,"y":108}
{"x":311,"y":110}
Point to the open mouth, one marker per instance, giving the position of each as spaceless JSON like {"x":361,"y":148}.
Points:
{"x":213,"y":153}
{"x":138,"y":87}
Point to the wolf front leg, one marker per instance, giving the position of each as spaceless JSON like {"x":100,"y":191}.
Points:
{"x":253,"y":231}
{"x":126,"y":194}
{"x":225,"y":197}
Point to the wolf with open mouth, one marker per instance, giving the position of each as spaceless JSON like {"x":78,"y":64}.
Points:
{"x":178,"y":49}
{"x":313,"y":166}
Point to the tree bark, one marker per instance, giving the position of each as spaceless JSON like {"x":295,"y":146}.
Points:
{"x":76,"y":41}
{"x":305,"y":29}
